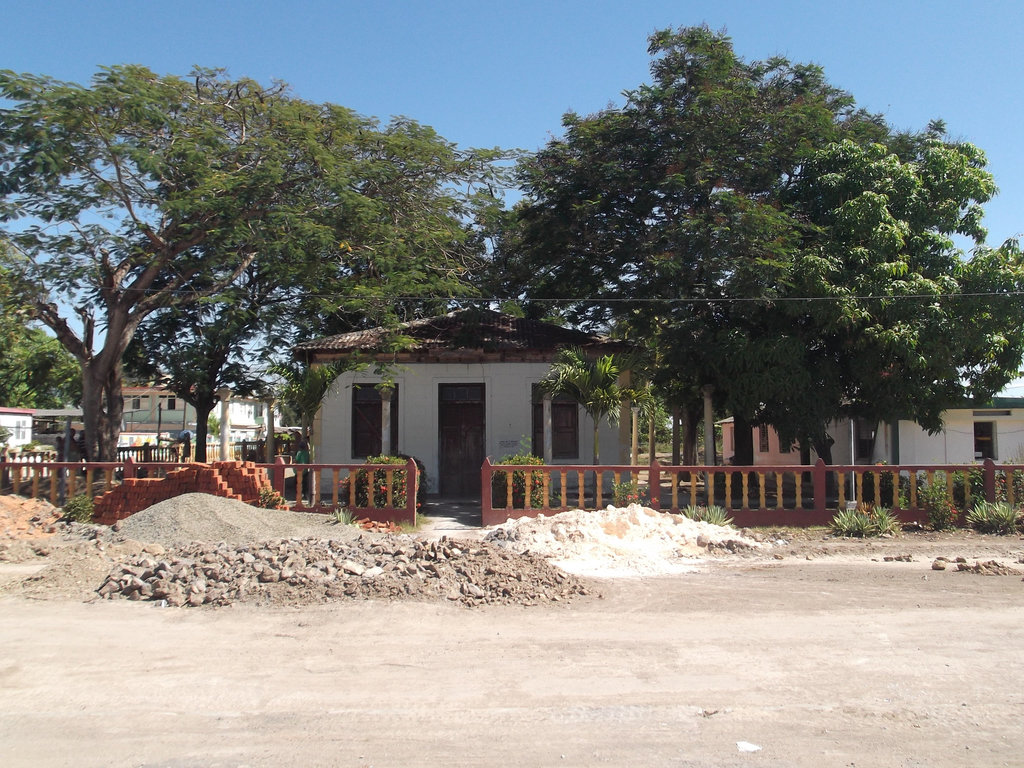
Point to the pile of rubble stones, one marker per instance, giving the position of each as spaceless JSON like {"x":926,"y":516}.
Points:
{"x":320,"y":570}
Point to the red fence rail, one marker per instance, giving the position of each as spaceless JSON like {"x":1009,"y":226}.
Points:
{"x":761,"y":495}
{"x":380,"y":492}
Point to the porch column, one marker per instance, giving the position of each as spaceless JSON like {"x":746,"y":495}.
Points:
{"x":385,"y":420}
{"x":270,"y":444}
{"x":709,"y":429}
{"x":634,"y":456}
{"x":549,"y":443}
{"x":225,"y":422}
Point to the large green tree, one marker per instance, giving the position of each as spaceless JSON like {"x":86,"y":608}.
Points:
{"x":772,"y":241}
{"x":140,"y":193}
{"x":35,"y":370}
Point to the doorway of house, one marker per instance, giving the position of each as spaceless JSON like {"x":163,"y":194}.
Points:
{"x":461,"y":451}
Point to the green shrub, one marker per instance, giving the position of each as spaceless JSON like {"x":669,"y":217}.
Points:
{"x":935,"y":500}
{"x":79,"y":509}
{"x":865,"y":521}
{"x":852,"y":522}
{"x":342,"y":516}
{"x":378,"y":480}
{"x":994,"y":517}
{"x":499,"y":483}
{"x":271,"y":499}
{"x":884,"y":521}
{"x":713,"y":514}
{"x":628,"y":492}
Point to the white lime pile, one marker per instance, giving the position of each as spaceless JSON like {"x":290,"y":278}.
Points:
{"x":620,"y":541}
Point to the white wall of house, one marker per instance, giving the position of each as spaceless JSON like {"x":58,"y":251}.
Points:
{"x":956,"y":444}
{"x":19,"y":424}
{"x":508,"y":415}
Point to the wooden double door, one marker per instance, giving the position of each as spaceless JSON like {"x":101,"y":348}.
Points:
{"x":461,"y":440}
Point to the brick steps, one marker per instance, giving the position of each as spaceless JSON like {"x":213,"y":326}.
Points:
{"x":230,"y":479}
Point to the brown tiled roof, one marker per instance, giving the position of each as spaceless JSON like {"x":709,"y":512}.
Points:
{"x":458,"y":333}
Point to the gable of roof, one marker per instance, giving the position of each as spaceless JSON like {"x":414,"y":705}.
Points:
{"x":465,"y":334}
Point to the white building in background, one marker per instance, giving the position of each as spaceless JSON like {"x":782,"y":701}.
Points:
{"x":18,"y":422}
{"x":149,"y":407}
{"x":972,"y":433}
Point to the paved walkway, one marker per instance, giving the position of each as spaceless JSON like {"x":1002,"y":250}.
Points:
{"x":460,"y":519}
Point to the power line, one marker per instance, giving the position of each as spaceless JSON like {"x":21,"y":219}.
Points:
{"x":648,"y":299}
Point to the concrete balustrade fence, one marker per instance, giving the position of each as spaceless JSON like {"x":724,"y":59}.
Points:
{"x":379,"y":492}
{"x":754,"y":496}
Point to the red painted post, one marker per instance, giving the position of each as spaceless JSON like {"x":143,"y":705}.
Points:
{"x":990,"y":481}
{"x":819,"y":487}
{"x":410,"y":489}
{"x":654,"y":484}
{"x":129,"y":468}
{"x":485,"y":490}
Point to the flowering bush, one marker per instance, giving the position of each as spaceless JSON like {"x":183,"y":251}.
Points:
{"x":378,"y":480}
{"x":937,"y":503}
{"x":499,"y":483}
{"x":626,"y":493}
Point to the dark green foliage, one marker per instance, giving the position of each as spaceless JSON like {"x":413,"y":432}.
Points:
{"x":774,"y":242}
{"x":143,"y":194}
{"x":79,"y":509}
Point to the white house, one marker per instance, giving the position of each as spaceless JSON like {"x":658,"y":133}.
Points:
{"x":464,"y":390}
{"x":18,"y":422}
{"x":972,"y":433}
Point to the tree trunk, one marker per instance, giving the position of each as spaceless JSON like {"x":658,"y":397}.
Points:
{"x":676,"y":416}
{"x":743,"y":441}
{"x":691,"y":420}
{"x":203,"y":410}
{"x":823,"y":447}
{"x":597,"y":452}
{"x":102,"y":407}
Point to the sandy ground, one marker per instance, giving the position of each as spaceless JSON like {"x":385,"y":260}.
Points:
{"x":830,"y":656}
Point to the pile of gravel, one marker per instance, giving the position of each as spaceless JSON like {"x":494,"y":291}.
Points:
{"x":203,"y":517}
{"x":299,"y":571}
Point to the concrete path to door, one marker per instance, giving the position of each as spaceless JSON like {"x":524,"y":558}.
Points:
{"x":455,"y":518}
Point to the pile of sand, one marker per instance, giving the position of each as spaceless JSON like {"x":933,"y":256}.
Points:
{"x":630,"y":541}
{"x":202,"y":517}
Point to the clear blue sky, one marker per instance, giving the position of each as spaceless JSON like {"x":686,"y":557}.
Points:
{"x":502,"y":73}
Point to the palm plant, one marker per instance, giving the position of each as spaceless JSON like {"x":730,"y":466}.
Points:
{"x":304,"y":388}
{"x":593,"y":383}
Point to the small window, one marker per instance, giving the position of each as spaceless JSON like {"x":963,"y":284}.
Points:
{"x":172,"y":404}
{"x":257,"y":410}
{"x":136,"y":404}
{"x":565,"y":426}
{"x":984,"y":440}
{"x":367,"y":421}
{"x":762,"y":438}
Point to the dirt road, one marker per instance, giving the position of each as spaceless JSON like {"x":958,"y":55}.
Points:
{"x":840,"y":660}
